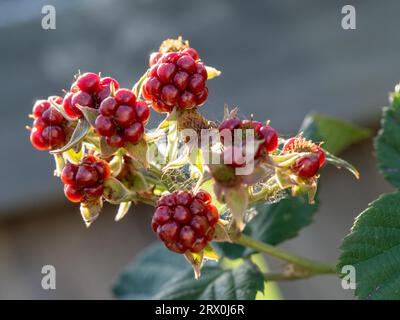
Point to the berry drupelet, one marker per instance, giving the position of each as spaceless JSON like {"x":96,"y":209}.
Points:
{"x":264,"y":134}
{"x":185,"y":221}
{"x":307,"y":166}
{"x":176,"y":79}
{"x":49,"y":126}
{"x":84,"y":182}
{"x":88,"y":90}
{"x":122,"y":118}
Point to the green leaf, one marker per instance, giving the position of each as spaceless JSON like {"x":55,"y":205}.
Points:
{"x":336,"y":134}
{"x":77,"y":136}
{"x":160,"y":274}
{"x":154,"y":267}
{"x":282,"y":220}
{"x":387,"y":145}
{"x":138,"y":152}
{"x":90,"y":114}
{"x":105,"y":149}
{"x":115,"y":192}
{"x":373,"y":249}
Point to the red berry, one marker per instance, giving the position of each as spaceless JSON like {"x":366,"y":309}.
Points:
{"x":185,"y":225}
{"x":39,"y":124}
{"x":68,"y":174}
{"x":103,"y":169}
{"x":162,"y":215}
{"x":168,"y":200}
{"x":88,"y":82}
{"x":108,"y":107}
{"x":184,"y":198}
{"x":186,"y":63}
{"x":202,"y":97}
{"x":321,"y":156}
{"x":270,"y":137}
{"x":170,"y":57}
{"x":39,"y":107}
{"x":53,"y":136}
{"x":160,"y":106}
{"x":73,"y":194}
{"x":199,"y":224}
{"x":181,"y":80}
{"x":230,"y":124}
{"x":86,"y":176}
{"x":170,"y":95}
{"x":196,"y":84}
{"x":115,"y":141}
{"x":199,"y":245}
{"x":212,"y":214}
{"x":83,"y":99}
{"x":192,"y":52}
{"x":187,"y":237}
{"x":125,"y":96}
{"x":203,"y":196}
{"x":134,"y":133}
{"x":153,"y":87}
{"x":106,"y":82}
{"x":74,"y":88}
{"x":197,"y":206}
{"x":187,"y":100}
{"x":125,"y":115}
{"x":104,"y":126}
{"x":142,"y":111}
{"x":93,"y":192}
{"x":201,"y":69}
{"x":52,"y":116}
{"x":182,"y":215}
{"x":168,"y":231}
{"x":306,"y":167}
{"x":154,"y":57}
{"x":70,"y":109}
{"x":37,"y":140}
{"x":165,"y":72}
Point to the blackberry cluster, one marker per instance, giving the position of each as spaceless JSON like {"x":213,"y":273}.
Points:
{"x":88,"y":90}
{"x":176,"y":79}
{"x":185,"y":221}
{"x":307,"y":166}
{"x":263,"y":133}
{"x":84,"y":182}
{"x":49,"y":126}
{"x":122,"y":118}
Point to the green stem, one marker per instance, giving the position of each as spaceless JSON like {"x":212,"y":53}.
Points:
{"x":272,"y":276}
{"x":310,"y":265}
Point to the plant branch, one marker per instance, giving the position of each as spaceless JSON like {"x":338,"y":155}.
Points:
{"x":314,"y":267}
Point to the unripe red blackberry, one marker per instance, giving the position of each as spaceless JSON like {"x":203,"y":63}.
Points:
{"x":49,"y":130}
{"x":306,"y":166}
{"x":84,"y":182}
{"x":185,"y":221}
{"x":89,"y":90}
{"x":264,"y":134}
{"x":176,"y":79}
{"x":122,"y":118}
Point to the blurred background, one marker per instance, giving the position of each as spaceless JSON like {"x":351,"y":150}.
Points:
{"x":280,"y":60}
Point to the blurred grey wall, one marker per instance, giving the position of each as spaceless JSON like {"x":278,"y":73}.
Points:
{"x":280,"y":60}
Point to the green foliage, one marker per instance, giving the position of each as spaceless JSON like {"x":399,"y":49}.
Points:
{"x":387,"y":144}
{"x":160,"y":274}
{"x":335,"y":134}
{"x":373,"y":248}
